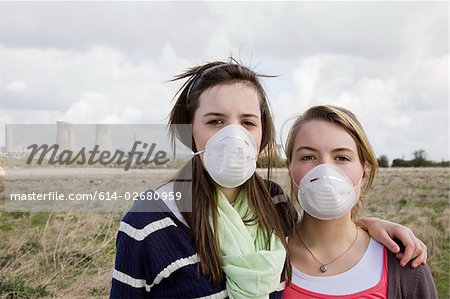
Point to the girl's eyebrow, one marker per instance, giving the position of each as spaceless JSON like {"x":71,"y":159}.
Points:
{"x":307,"y":148}
{"x":213,"y":114}
{"x":342,"y":149}
{"x":250,"y":115}
{"x":339,"y":149}
{"x":223,"y":115}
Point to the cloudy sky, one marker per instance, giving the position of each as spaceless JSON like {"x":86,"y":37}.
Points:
{"x":110,"y":62}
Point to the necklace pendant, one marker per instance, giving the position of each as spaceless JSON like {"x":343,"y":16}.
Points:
{"x":323,"y":269}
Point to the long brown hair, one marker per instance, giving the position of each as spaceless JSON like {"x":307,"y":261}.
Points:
{"x":203,"y":192}
{"x":348,"y":121}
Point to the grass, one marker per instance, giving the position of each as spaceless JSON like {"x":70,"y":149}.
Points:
{"x":51,"y":250}
{"x":71,"y":254}
{"x":17,"y":288}
{"x":419,"y":199}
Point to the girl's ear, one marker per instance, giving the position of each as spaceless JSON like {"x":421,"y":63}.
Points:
{"x":288,"y":167}
{"x":366,"y":169}
{"x":364,"y":175}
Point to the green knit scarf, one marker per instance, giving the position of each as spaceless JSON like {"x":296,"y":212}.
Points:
{"x":251,"y":270}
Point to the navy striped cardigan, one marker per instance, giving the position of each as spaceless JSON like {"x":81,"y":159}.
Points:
{"x":156,"y":255}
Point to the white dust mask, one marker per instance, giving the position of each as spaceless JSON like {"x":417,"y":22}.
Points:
{"x":230,"y":156}
{"x":326,"y":193}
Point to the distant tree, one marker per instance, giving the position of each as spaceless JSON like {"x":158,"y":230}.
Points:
{"x":420,"y":154}
{"x":401,"y":163}
{"x":443,"y":164}
{"x":420,"y":158}
{"x":383,"y":161}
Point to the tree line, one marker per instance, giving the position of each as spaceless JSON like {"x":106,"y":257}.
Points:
{"x":419,"y":160}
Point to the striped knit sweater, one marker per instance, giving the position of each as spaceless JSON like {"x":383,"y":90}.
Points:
{"x":156,"y":256}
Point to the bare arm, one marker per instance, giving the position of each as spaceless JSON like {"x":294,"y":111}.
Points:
{"x":385,"y":231}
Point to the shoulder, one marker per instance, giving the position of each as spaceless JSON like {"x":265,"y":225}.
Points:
{"x":143,"y":221}
{"x":418,"y":282}
{"x":276,"y":192}
{"x":147,"y":215}
{"x":151,"y":200}
{"x":283,"y":205}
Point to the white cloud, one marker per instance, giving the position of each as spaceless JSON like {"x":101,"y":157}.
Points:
{"x":97,"y":84}
{"x":400,"y":106}
{"x":16,"y":86}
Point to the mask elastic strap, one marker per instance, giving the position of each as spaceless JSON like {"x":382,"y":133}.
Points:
{"x":359,"y":182}
{"x":293,"y":181}
{"x":198,"y":153}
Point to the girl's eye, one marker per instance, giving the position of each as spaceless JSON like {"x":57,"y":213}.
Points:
{"x":343,"y":159}
{"x":215,"y":122}
{"x":307,"y":158}
{"x":249,"y":123}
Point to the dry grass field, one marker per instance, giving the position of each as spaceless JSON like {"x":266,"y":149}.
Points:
{"x":71,"y":254}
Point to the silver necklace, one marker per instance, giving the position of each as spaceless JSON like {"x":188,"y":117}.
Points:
{"x":323,"y":266}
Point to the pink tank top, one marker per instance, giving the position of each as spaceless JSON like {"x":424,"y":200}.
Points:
{"x":379,"y":291}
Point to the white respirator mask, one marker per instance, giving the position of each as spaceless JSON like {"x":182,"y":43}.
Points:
{"x":230,"y":156}
{"x":326,"y":192}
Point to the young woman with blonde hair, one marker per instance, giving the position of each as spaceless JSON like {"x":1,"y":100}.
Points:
{"x":333,"y":166}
